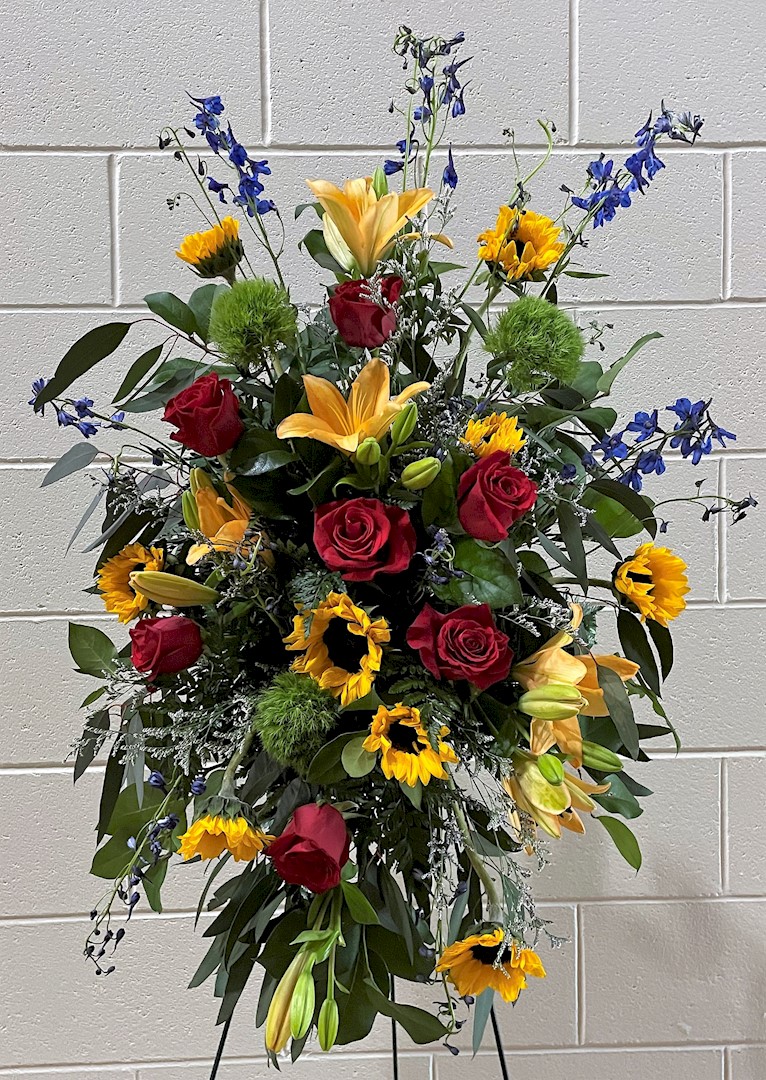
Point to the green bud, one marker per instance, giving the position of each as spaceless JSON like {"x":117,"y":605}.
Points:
{"x":380,"y":182}
{"x":419,"y":474}
{"x":190,"y":512}
{"x":369,"y":452}
{"x":302,"y":1005}
{"x":555,"y":701}
{"x":598,"y":757}
{"x":404,"y":425}
{"x":328,"y":1023}
{"x":551,"y":768}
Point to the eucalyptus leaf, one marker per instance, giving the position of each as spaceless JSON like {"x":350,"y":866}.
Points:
{"x":607,"y":379}
{"x":481,"y":1010}
{"x":91,"y":348}
{"x":138,"y":370}
{"x":624,"y":840}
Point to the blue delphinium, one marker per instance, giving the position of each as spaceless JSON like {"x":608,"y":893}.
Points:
{"x":224,"y":143}
{"x":613,"y":447}
{"x":449,"y":176}
{"x":644,"y":424}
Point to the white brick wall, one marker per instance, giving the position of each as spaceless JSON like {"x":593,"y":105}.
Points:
{"x":664,"y":976}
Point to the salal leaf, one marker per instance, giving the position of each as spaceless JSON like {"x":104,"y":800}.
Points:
{"x":490,"y":577}
{"x":92,"y":651}
{"x":172,"y":310}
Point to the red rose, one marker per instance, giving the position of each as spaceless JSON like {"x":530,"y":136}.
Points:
{"x":464,"y":644}
{"x":360,"y":538}
{"x":165,"y":646}
{"x":206,"y":415}
{"x":313,"y":849}
{"x":360,"y":321}
{"x":491,"y":495}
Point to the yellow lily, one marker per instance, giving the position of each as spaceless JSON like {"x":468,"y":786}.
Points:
{"x":365,"y":223}
{"x":224,"y":525}
{"x":551,"y":806}
{"x":369,"y":412}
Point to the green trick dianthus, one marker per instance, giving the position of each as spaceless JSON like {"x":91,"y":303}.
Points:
{"x":294,"y":717}
{"x":533,"y":342}
{"x":251,"y":321}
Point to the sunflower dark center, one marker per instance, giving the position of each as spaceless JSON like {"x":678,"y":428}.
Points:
{"x":642,"y":579}
{"x":487,"y":954}
{"x":519,"y":245}
{"x":346,"y":650}
{"x":404,"y":738}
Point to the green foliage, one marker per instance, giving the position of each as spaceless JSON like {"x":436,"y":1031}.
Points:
{"x":294,"y":718}
{"x":251,"y":320}
{"x":533,"y":342}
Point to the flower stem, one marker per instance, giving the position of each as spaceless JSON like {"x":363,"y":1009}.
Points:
{"x":493,"y":900}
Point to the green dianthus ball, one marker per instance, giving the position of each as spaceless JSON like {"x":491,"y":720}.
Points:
{"x":294,"y":717}
{"x":251,"y":320}
{"x":533,"y":342}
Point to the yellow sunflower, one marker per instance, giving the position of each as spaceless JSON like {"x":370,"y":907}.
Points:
{"x":654,"y":579}
{"x":215,"y":252}
{"x":210,"y":836}
{"x":406,"y":753}
{"x":495,"y":432}
{"x":341,"y":647}
{"x":487,"y":961}
{"x":521,"y":242}
{"x":114,"y":580}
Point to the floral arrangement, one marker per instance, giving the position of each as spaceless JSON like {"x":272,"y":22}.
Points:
{"x":365,"y":578}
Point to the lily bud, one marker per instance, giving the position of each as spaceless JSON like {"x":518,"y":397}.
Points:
{"x":368,"y":452}
{"x":555,"y":701}
{"x":190,"y":512}
{"x":551,"y":768}
{"x":327,"y":1026}
{"x":419,"y":474}
{"x":278,"y":1018}
{"x":171,"y":589}
{"x":380,"y":182}
{"x":598,"y":757}
{"x":404,"y":425}
{"x":302,"y":1006}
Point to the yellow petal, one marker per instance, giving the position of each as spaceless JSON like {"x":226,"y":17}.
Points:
{"x":326,"y":403}
{"x":369,"y":394}
{"x":541,"y":737}
{"x":306,"y":426}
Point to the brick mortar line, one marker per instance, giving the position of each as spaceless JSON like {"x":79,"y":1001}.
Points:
{"x":113,"y":179}
{"x":277,"y":149}
{"x":726,"y":229}
{"x":574,"y":72}
{"x":264,"y":30}
{"x":723,"y":805}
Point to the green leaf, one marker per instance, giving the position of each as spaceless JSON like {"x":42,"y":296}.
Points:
{"x":397,"y":908}
{"x":83,"y":355}
{"x":584,"y":274}
{"x":356,"y":760}
{"x":618,"y":704}
{"x":326,"y":766}
{"x":201,"y":303}
{"x":481,"y":1010}
{"x":585,"y":381}
{"x":359,"y":906}
{"x":152,"y":884}
{"x":109,"y":793}
{"x":613,"y":518}
{"x":414,"y":794}
{"x":474,"y":318}
{"x":96,"y":730}
{"x":624,"y":840}
{"x":439,"y":504}
{"x":111,"y":858}
{"x":92,"y":651}
{"x":129,"y":816}
{"x":492,"y":579}
{"x":136,"y":372}
{"x":663,"y":643}
{"x":210,"y":962}
{"x":571,"y":534}
{"x":637,"y":648}
{"x":259,"y":452}
{"x":76,"y":457}
{"x":420,"y":1026}
{"x":638,"y":505}
{"x":456,"y":917}
{"x":172,"y":310}
{"x":619,"y":799}
{"x":314,"y":243}
{"x":606,"y":380}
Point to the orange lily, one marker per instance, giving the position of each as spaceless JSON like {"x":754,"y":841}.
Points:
{"x":369,"y":412}
{"x":224,"y":525}
{"x":551,"y":806}
{"x":367,"y":224}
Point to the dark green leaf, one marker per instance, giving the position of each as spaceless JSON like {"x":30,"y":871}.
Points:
{"x":210,"y":962}
{"x":83,"y":355}
{"x":397,"y":908}
{"x":481,"y":1010}
{"x":420,"y":1026}
{"x":112,"y":858}
{"x":76,"y":457}
{"x":200,"y":305}
{"x":439,"y":504}
{"x":585,"y":381}
{"x":474,"y":318}
{"x":129,"y":816}
{"x":637,"y":648}
{"x":618,"y":704}
{"x":96,"y":730}
{"x":624,"y":840}
{"x":92,"y":651}
{"x":326,"y":766}
{"x":583,"y":274}
{"x":172,"y":310}
{"x":152,"y":884}
{"x":287,"y":397}
{"x":314,"y":243}
{"x":619,"y":799}
{"x":571,"y":534}
{"x":491,"y":578}
{"x":110,"y":790}
{"x":663,"y":643}
{"x":359,"y":906}
{"x":638,"y":505}
{"x":137,"y":371}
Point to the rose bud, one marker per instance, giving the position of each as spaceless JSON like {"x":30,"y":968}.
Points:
{"x":492,"y":495}
{"x":361,"y":322}
{"x":313,"y":849}
{"x":206,"y":415}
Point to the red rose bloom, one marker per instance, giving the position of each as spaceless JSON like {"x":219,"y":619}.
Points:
{"x":165,"y":646}
{"x":491,"y":495}
{"x":360,"y":321}
{"x":313,"y":849}
{"x":464,"y":644}
{"x":206,"y":415}
{"x":360,"y":538}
